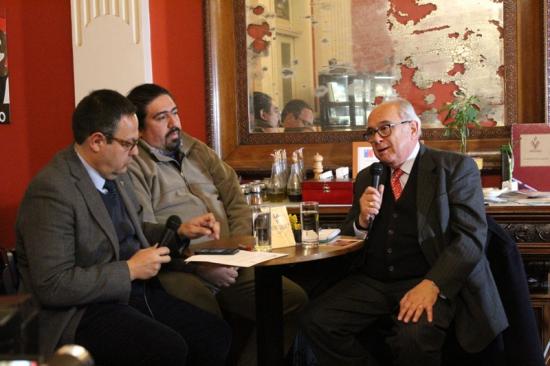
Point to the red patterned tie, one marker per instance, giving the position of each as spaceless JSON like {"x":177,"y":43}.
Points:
{"x":396,"y":184}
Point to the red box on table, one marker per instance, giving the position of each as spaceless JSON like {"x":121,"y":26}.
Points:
{"x":328,"y":191}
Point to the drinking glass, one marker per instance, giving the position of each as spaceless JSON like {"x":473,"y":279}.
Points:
{"x":261,"y":227}
{"x":309,"y":218}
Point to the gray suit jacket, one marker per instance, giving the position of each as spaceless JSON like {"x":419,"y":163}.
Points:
{"x":67,"y":248}
{"x":452,"y":232}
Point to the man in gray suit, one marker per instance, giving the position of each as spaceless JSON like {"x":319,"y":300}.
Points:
{"x":423,"y":265}
{"x":84,"y":253}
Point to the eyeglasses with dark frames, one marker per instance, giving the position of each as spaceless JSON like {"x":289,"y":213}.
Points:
{"x":305,"y":122}
{"x":383,"y":131}
{"x":127,"y":145}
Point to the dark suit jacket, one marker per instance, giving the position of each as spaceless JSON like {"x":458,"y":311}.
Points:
{"x":521,"y":339}
{"x":451,"y":233}
{"x":67,"y":248}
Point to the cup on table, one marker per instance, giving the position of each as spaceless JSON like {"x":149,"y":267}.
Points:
{"x":261,"y":228}
{"x":309,"y":218}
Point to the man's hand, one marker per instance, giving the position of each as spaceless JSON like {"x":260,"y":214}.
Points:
{"x":420,"y":298}
{"x":370,"y":203}
{"x":220,"y":276}
{"x":200,"y":226}
{"x":145,"y":263}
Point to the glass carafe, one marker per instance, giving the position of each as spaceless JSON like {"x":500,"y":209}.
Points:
{"x":277,"y":185}
{"x":294,"y":185}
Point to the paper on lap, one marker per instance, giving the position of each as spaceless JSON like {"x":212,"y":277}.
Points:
{"x":242,"y":258}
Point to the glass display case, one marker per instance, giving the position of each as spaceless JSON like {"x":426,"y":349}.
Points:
{"x":344,"y":103}
{"x":349,"y":99}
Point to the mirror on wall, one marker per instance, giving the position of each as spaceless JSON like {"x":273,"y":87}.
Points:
{"x":230,"y":99}
{"x":321,"y":65}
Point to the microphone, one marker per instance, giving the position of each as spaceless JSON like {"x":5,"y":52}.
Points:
{"x":376,"y":170}
{"x":170,"y":230}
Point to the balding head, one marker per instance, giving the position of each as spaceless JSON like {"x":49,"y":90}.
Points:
{"x":393,"y":130}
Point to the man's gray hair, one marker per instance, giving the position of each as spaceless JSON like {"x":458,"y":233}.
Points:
{"x":406,"y":110}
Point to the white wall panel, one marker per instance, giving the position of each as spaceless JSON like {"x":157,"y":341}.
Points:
{"x":111,"y":45}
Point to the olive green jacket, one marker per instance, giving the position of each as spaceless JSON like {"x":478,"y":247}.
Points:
{"x":202,"y":183}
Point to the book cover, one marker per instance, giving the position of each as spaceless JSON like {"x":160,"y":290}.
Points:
{"x":531,"y":148}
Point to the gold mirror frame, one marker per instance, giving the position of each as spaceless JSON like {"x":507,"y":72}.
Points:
{"x":248,"y":152}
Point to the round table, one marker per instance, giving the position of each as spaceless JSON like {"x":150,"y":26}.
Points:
{"x":268,"y":286}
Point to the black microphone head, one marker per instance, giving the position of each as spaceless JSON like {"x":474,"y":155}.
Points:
{"x":376,"y":169}
{"x":173,"y":222}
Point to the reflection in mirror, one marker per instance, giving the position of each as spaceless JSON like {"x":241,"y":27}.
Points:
{"x":341,"y":57}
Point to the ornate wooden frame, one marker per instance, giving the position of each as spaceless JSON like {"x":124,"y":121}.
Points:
{"x":547,"y":58}
{"x":228,"y":101}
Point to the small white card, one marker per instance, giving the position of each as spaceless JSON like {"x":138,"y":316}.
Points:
{"x":535,"y":150}
{"x":326,"y":175}
{"x":365,"y":157}
{"x":342,"y":173}
{"x":281,"y":231}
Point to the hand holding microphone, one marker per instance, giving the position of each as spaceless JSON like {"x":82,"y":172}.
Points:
{"x":170,"y":231}
{"x":146,"y":263}
{"x":371,"y":199}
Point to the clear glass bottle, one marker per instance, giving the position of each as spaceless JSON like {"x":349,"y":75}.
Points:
{"x":264,"y":186}
{"x":245,"y":190}
{"x":256,"y":194}
{"x":294,"y":185}
{"x":277,"y":185}
{"x":300,"y":155}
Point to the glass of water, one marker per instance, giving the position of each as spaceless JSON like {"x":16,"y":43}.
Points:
{"x":309,"y":218}
{"x":261,"y":227}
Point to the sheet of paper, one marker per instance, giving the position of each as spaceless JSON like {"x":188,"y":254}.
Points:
{"x":342,"y":242}
{"x":326,"y":235}
{"x":242,"y":258}
{"x":544,"y":201}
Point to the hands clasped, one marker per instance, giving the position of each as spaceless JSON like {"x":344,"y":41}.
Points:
{"x":370,"y":203}
{"x":220,"y":276}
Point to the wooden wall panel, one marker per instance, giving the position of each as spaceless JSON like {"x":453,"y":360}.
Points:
{"x":531,"y":63}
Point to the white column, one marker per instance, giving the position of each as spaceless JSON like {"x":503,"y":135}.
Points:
{"x":111,"y":45}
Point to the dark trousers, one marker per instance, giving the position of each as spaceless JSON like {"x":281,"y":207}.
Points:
{"x":333,"y":322}
{"x":154,"y":329}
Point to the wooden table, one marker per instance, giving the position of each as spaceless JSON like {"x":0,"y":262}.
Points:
{"x":269,"y":301}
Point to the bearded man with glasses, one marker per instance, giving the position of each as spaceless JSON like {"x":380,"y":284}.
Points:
{"x":175,"y":173}
{"x":423,"y":265}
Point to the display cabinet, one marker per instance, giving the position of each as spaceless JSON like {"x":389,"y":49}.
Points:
{"x":347,"y":101}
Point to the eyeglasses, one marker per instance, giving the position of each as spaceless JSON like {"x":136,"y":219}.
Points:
{"x":383,"y":131}
{"x":127,"y":145}
{"x":305,"y":121}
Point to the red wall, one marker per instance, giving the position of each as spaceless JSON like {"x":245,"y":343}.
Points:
{"x":42,"y":92}
{"x":41,"y":96}
{"x":178,"y":58}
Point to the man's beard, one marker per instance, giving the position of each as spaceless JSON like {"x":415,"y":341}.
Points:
{"x":173,"y":145}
